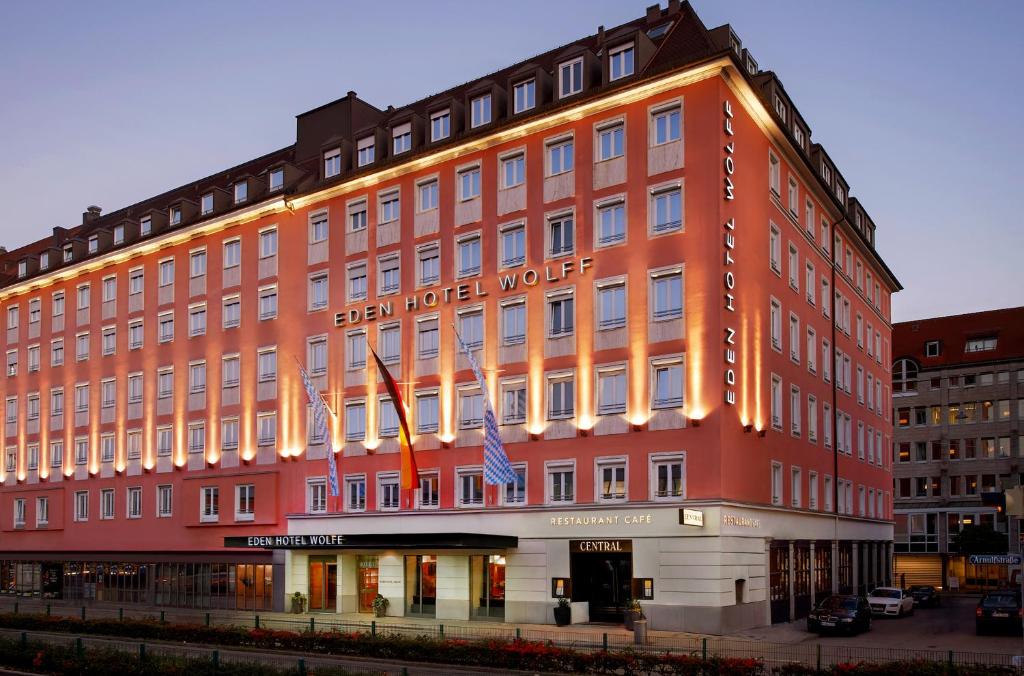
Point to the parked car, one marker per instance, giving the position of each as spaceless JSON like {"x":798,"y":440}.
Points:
{"x":999,"y":610}
{"x":891,"y":601}
{"x":840,"y":613}
{"x":925,"y":595}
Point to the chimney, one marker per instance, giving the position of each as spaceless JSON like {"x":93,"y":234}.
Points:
{"x":673,"y":6}
{"x":3,"y":250}
{"x":59,"y":234}
{"x":91,"y":214}
{"x":600,"y":36}
{"x":653,"y":13}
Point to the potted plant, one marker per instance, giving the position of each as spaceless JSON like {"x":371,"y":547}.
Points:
{"x":632,"y":613}
{"x":298,"y":603}
{"x":380,"y":605}
{"x":563,"y":613}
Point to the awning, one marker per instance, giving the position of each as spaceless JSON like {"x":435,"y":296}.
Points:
{"x":375,"y":541}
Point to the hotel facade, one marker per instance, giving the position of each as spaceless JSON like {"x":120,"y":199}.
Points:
{"x":678,"y":307}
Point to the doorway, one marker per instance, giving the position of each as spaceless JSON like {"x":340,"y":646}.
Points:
{"x":323,"y":584}
{"x":602,"y":575}
{"x":487,"y":586}
{"x":421,"y":585}
{"x":368,"y":577}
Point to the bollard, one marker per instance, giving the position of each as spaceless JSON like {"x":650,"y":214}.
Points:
{"x":373,"y":627}
{"x":83,"y":613}
{"x":163,"y":616}
{"x":215,"y":659}
{"x":257,"y":621}
{"x":440,"y":630}
{"x":819,"y":658}
{"x":302,"y":667}
{"x":79,"y":648}
{"x":312,"y":625}
{"x":604,"y":641}
{"x":24,"y":641}
{"x":519,"y":634}
{"x":120,"y":614}
{"x":704,"y":649}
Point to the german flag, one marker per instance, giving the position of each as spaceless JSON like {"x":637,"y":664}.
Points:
{"x":410,"y":474}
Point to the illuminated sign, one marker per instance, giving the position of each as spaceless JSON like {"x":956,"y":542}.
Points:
{"x":462,"y":292}
{"x":729,"y":245}
{"x":741,"y":521}
{"x":691,"y":517}
{"x":602,"y":520}
{"x":284,"y":541}
{"x":600,"y":546}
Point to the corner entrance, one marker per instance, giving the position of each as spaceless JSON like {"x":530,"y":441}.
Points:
{"x":323,"y":584}
{"x":602,"y":575}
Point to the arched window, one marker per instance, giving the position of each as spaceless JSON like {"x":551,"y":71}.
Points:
{"x":904,"y":376}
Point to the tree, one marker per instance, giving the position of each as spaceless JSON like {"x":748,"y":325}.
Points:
{"x":979,"y":539}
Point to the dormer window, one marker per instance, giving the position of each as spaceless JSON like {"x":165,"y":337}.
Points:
{"x":69,"y":253}
{"x":980,"y":344}
{"x":751,"y":66}
{"x":118,"y":235}
{"x":841,"y":194}
{"x":241,"y":192}
{"x":524,"y":95}
{"x":94,"y":244}
{"x":44,"y":260}
{"x":480,"y":110}
{"x":826,"y":173}
{"x":276,"y":181}
{"x":175,"y":215}
{"x":332,"y":163}
{"x":145,"y":226}
{"x":620,"y":61}
{"x":798,"y":134}
{"x":440,"y":125}
{"x":780,"y":108}
{"x":570,"y":78}
{"x":365,"y":151}
{"x":402,"y":138}
{"x":932,"y":348}
{"x":206,"y":204}
{"x":22,"y":268}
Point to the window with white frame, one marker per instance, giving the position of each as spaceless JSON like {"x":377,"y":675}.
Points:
{"x":513,"y":245}
{"x":611,"y":221}
{"x":795,"y":406}
{"x":513,"y":322}
{"x":268,"y":243}
{"x":42,"y":511}
{"x":471,"y":488}
{"x":332,"y":162}
{"x":666,"y":294}
{"x":357,"y":287}
{"x":561,"y":313}
{"x":776,"y":483}
{"x":513,"y":170}
{"x":318,"y":289}
{"x":357,"y":216}
{"x":268,"y":302}
{"x":560,"y":235}
{"x":666,"y":209}
{"x":774,"y":174}
{"x":427,"y":337}
{"x":390,"y":207}
{"x":366,"y":149}
{"x":427,"y":412}
{"x":266,"y":428}
{"x":794,"y":338}
{"x":560,"y":156}
{"x":570,"y":77}
{"x":667,"y":476}
{"x":561,"y":484}
{"x":266,"y":364}
{"x":164,"y":501}
{"x":775,"y":324}
{"x":427,"y":195}
{"x":165,"y":327}
{"x":795,"y":484}
{"x":401,"y":138}
{"x":561,"y":391}
{"x":480,"y":111}
{"x":232,"y":254}
{"x":471,"y":408}
{"x":611,"y":141}
{"x":135,"y":334}
{"x":355,"y":420}
{"x":316,"y":355}
{"x":319,"y":228}
{"x":794,"y":268}
{"x":81,"y":346}
{"x":666,"y":124}
{"x":428,"y":495}
{"x":387,"y":418}
{"x":388,"y":492}
{"x":163,"y":441}
{"x":514,"y":492}
{"x":775,"y":248}
{"x":197,"y":437}
{"x":355,"y":348}
{"x":611,"y":389}
{"x":209,"y":503}
{"x":316,"y":496}
{"x":245,"y":502}
{"x":196,"y":321}
{"x":468,"y":252}
{"x":471,"y":328}
{"x":389,"y":275}
{"x":440,"y":125}
{"x":108,"y":392}
{"x":776,"y":402}
{"x":428,"y":265}
{"x":812,"y":418}
{"x":133,"y":444}
{"x":666,"y":382}
{"x":275,"y":180}
{"x":524,"y":95}
{"x":611,"y":304}
{"x":611,"y":480}
{"x":230,"y":371}
{"x":229,"y":434}
{"x":513,"y":401}
{"x":196,"y":268}
{"x":81,"y":506}
{"x":468,"y":181}
{"x":620,"y":61}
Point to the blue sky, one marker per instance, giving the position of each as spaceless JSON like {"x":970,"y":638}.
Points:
{"x":111,"y":102}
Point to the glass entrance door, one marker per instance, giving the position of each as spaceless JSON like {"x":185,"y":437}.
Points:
{"x":323,"y":584}
{"x":421,"y":585}
{"x":368,"y":576}
{"x":604,"y":580}
{"x":487,"y":586}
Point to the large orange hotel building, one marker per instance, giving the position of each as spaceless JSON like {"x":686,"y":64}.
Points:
{"x":679,"y":311}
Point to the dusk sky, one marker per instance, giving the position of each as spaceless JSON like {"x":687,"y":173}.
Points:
{"x":919,"y":103}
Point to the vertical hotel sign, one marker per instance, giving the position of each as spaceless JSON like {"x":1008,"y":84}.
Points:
{"x":729,"y":263}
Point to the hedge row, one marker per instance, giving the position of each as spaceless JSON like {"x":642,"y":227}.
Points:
{"x":492,"y":653}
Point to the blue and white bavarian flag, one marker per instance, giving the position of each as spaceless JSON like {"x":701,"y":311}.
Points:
{"x":319,"y":422}
{"x":497,"y":469}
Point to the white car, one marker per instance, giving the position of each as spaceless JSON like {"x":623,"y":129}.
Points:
{"x":890,"y":601}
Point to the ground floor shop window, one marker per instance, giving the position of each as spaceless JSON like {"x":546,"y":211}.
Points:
{"x":487,"y":586}
{"x":369,"y":574}
{"x":421,"y":585}
{"x":323,"y":584}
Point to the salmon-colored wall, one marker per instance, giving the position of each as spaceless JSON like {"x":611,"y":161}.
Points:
{"x":722,"y":461}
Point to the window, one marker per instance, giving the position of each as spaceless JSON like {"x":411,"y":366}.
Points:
{"x":319,"y":228}
{"x":267,"y":364}
{"x":515,"y":490}
{"x":266,"y":428}
{"x":317,"y":355}
{"x":57,"y":304}
{"x":560,"y":156}
{"x":276,"y":180}
{"x":812,"y":419}
{"x":480,"y":110}
{"x":524,"y":95}
{"x":794,"y":338}
{"x":570,"y":77}
{"x":355,"y":493}
{"x":42,"y":512}
{"x":513,"y":402}
{"x":560,"y":235}
{"x":197,"y":377}
{"x":469,"y":183}
{"x":389,"y":343}
{"x":81,"y":505}
{"x":33,"y":353}
{"x":355,"y":420}
{"x":232,"y":314}
{"x":471,"y":409}
{"x":620,"y":61}
{"x":56,"y":402}
{"x":610,"y":141}
{"x":427,"y":337}
{"x":241,"y":190}
{"x":775,"y":324}
{"x":468,"y":250}
{"x":513,"y":322}
{"x":776,"y":483}
{"x":774,"y":174}
{"x":426,"y":412}
{"x":196,"y":322}
{"x":667,"y":124}
{"x":229,"y":434}
{"x":560,"y":483}
{"x":401,"y":138}
{"x":775,"y":249}
{"x":667,"y":210}
{"x":560,"y":313}
{"x":794,"y":198}
{"x":268,"y":243}
{"x":356,"y":349}
{"x":133,"y":444}
{"x":980,"y":344}
{"x":666,"y":295}
{"x":429,"y":264}
{"x":611,"y":477}
{"x":19,"y":512}
{"x":108,"y":393}
{"x":232,"y":253}
{"x":318,"y":291}
{"x":513,"y":170}
{"x":245,"y":502}
{"x":428,"y":195}
{"x":440,"y":125}
{"x":561,"y":396}
{"x":794,"y":268}
{"x":82,"y":346}
{"x":812,"y":351}
{"x":513,"y":245}
{"x":268,"y":303}
{"x":471,"y":488}
{"x":390,"y":207}
{"x":12,"y":362}
{"x":776,"y":402}
{"x":904,"y":376}
{"x":365,"y":151}
{"x":666,"y":382}
{"x":795,"y":484}
{"x":611,"y":390}
{"x":428,"y":492}
{"x":316,"y":496}
{"x":332,"y":163}
{"x":795,"y":405}
{"x":388,"y":492}
{"x":165,"y":325}
{"x":611,"y":222}
{"x":82,"y":398}
{"x":164,"y":500}
{"x":611,"y":303}
{"x":209,"y":503}
{"x":107,"y":503}
{"x":389,"y":274}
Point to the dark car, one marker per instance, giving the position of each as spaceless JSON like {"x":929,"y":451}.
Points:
{"x":999,"y":611}
{"x":925,"y":595}
{"x":840,"y":613}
